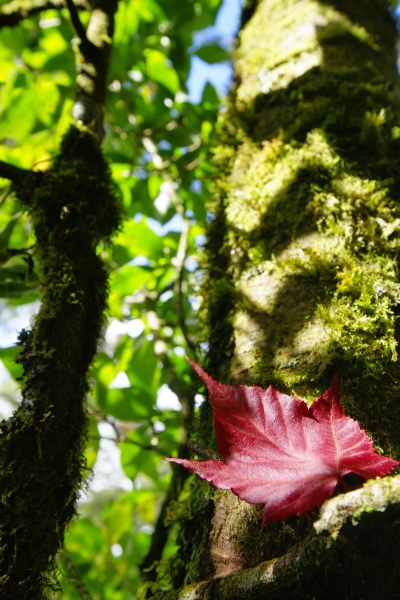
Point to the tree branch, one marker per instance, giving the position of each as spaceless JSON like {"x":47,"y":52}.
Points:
{"x":75,"y":577}
{"x":92,"y":60}
{"x":125,"y":440}
{"x":121,"y":439}
{"x":13,"y":173}
{"x":179,"y":259}
{"x":75,"y":20}
{"x":179,"y":264}
{"x":341,"y":519}
{"x":42,"y":443}
{"x":14,"y":12}
{"x":5,"y":195}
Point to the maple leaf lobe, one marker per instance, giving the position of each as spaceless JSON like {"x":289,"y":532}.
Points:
{"x":279,"y":452}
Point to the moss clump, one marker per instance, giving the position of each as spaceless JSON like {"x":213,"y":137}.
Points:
{"x":72,"y":206}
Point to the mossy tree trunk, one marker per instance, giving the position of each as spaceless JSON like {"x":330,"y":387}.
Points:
{"x":73,"y":206}
{"x":303,"y":281}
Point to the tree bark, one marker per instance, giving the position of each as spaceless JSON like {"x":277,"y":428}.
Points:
{"x":302,"y":282}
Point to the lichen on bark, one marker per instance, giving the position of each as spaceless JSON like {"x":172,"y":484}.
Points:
{"x":73,"y":206}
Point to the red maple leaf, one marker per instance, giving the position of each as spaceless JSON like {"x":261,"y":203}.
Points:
{"x":279,"y":452}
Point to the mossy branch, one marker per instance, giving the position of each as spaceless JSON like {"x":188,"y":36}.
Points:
{"x":42,"y":466}
{"x":92,"y":56}
{"x":341,"y":520}
{"x":75,"y":20}
{"x":14,"y":173}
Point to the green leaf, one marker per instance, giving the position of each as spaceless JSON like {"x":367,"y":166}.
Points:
{"x":148,"y":10}
{"x":117,"y":518}
{"x":6,"y":233}
{"x":154,"y":184}
{"x":83,"y":540}
{"x":140,"y":239}
{"x":159,"y":70}
{"x":7,"y":356}
{"x":141,"y":366}
{"x":126,"y":22}
{"x":92,"y":443}
{"x":129,"y":279}
{"x":53,"y":42}
{"x":141,"y":547}
{"x":210,"y":94}
{"x":15,"y":289}
{"x":129,"y":404}
{"x":22,"y":111}
{"x":135,"y":460}
{"x":212,"y":53}
{"x":145,"y":504}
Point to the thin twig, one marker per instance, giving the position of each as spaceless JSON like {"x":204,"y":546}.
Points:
{"x":121,"y":438}
{"x":179,"y":260}
{"x":8,"y":253}
{"x":125,"y":440}
{"x":179,"y":264}
{"x":207,"y":453}
{"x":179,"y":476}
{"x":75,"y":20}
{"x":75,"y":577}
{"x":5,"y":195}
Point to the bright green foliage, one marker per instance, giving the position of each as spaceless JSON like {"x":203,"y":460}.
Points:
{"x":157,"y":145}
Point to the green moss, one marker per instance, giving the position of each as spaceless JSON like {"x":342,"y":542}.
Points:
{"x":303,"y":253}
{"x":72,"y":207}
{"x":312,"y":210}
